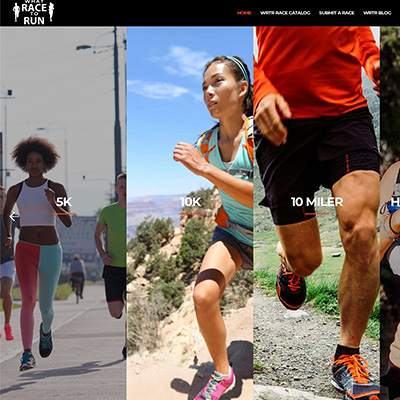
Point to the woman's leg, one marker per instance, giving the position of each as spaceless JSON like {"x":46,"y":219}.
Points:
{"x":26,"y":263}
{"x":217,"y":270}
{"x":82,"y":283}
{"x":5,"y":294}
{"x":49,"y":274}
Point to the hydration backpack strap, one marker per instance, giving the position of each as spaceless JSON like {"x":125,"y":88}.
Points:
{"x":203,"y":144}
{"x":222,"y":218}
{"x":249,"y":138}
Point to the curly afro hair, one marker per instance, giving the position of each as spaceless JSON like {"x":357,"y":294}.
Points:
{"x":38,"y":145}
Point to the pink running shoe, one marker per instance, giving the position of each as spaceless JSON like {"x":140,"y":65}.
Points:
{"x":217,"y":385}
{"x":8,"y":331}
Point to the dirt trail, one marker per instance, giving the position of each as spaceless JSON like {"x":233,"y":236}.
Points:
{"x":295,"y":348}
{"x":173,"y":373}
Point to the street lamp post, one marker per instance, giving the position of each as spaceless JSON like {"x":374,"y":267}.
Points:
{"x":117,"y":125}
{"x":3,"y":137}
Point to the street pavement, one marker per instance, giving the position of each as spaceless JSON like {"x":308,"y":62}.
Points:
{"x":86,"y":362}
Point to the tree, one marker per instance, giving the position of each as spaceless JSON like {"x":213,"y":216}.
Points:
{"x":151,"y":234}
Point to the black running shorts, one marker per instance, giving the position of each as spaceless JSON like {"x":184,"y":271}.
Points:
{"x":115,"y":283}
{"x":318,"y":152}
{"x":246,"y":251}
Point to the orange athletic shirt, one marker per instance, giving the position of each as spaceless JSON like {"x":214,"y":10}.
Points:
{"x":316,"y":69}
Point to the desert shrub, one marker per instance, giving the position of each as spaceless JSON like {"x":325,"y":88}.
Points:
{"x":151,"y":234}
{"x":195,"y":242}
{"x":159,"y":265}
{"x":238,"y":291}
{"x":143,"y":322}
{"x":165,"y":297}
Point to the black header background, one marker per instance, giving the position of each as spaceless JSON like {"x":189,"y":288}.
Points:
{"x":195,"y":13}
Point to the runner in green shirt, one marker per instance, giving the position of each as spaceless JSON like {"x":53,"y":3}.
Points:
{"x":112,"y":222}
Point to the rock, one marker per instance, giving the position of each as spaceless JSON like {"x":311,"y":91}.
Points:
{"x":298,"y":314}
{"x":280,"y":393}
{"x":172,"y":248}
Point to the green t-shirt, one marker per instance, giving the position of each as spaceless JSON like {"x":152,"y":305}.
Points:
{"x":114,"y":216}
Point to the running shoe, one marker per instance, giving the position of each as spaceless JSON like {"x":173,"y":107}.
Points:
{"x":27,"y":361}
{"x":351,"y":377}
{"x":290,"y":288}
{"x":217,"y":386}
{"x":392,"y":382}
{"x":45,"y":343}
{"x":8,"y":332}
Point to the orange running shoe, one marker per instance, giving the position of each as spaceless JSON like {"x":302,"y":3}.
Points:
{"x":290,"y":288}
{"x":351,"y":377}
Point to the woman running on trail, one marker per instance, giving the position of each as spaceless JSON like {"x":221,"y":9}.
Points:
{"x":224,"y":156}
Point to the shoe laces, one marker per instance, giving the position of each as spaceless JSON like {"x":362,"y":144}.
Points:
{"x":212,"y":384}
{"x":294,"y":279}
{"x":294,"y":282}
{"x":26,"y":357}
{"x":45,"y":340}
{"x":356,"y":365}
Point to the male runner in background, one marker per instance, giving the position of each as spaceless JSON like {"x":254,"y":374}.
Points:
{"x":315,"y":129}
{"x":77,"y":272}
{"x":112,"y":221}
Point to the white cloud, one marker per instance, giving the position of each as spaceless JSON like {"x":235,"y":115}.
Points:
{"x":156,"y":90}
{"x":184,"y":61}
{"x":171,"y":70}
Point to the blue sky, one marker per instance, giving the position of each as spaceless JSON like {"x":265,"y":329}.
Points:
{"x":164,"y":104}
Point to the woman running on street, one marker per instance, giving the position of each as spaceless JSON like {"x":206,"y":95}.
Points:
{"x":38,"y":253}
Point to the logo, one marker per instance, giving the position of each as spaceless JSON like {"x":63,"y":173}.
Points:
{"x":33,"y":12}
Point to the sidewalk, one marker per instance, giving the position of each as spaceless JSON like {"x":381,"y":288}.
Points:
{"x":86,"y":362}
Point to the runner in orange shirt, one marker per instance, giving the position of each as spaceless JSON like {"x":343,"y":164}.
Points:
{"x":315,"y":129}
